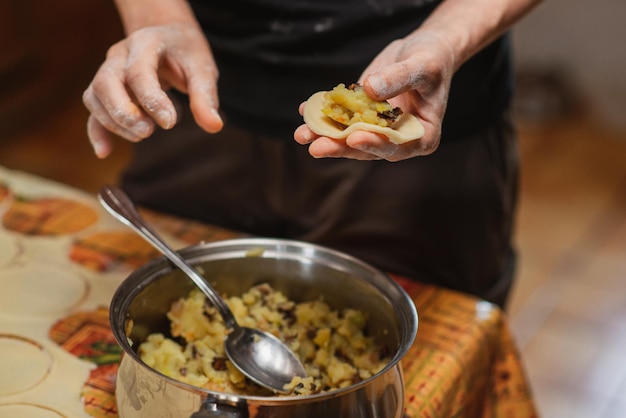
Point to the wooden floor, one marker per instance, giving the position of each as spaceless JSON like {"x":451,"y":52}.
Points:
{"x":568,"y":309}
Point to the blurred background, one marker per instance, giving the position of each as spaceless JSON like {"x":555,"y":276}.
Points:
{"x":568,"y":310}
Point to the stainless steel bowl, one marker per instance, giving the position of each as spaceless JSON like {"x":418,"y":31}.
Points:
{"x":303,"y":272}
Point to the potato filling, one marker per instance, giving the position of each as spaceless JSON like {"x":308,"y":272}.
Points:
{"x":349,"y":105}
{"x":332,"y":344}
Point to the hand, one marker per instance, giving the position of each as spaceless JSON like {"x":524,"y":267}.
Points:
{"x":414,"y":74}
{"x":127,"y":95}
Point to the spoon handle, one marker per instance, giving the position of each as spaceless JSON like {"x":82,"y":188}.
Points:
{"x":117,"y":202}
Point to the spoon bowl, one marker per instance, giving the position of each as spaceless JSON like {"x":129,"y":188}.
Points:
{"x":259,"y":355}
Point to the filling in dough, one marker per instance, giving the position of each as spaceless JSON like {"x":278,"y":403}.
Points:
{"x":349,"y":105}
{"x":341,"y":111}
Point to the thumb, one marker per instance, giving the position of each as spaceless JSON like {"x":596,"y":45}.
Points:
{"x":397,"y":78}
{"x":204,"y":104}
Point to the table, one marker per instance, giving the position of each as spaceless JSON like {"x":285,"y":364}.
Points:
{"x":62,"y":257}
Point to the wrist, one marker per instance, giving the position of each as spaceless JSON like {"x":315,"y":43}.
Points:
{"x":138,"y":14}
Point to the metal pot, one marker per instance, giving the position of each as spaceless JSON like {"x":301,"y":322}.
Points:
{"x":303,"y":272}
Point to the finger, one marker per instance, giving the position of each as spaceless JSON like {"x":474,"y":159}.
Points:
{"x":303,"y":135}
{"x":203,"y":97}
{"x":100,"y":138}
{"x":399,"y":78}
{"x":108,"y":99}
{"x":372,"y":143}
{"x":324,"y":147}
{"x":383,"y":84}
{"x":141,"y":76}
{"x":99,"y":112}
{"x":380,"y":147}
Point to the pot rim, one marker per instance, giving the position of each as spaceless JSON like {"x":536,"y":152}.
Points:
{"x":136,"y":281}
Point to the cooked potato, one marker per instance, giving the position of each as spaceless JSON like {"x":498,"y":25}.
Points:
{"x":341,"y":111}
{"x":330,"y":343}
{"x":350,"y":105}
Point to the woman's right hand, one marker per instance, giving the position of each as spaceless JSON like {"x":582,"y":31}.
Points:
{"x":127,"y":96}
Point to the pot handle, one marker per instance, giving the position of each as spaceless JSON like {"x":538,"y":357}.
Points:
{"x":212,"y":409}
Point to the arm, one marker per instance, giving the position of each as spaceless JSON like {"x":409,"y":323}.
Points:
{"x":139,"y":14}
{"x":164,"y":48}
{"x":467,"y":26}
{"x":415,"y":72}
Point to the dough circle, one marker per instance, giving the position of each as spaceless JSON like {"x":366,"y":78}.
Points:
{"x":407,"y":128}
{"x":24,"y":364}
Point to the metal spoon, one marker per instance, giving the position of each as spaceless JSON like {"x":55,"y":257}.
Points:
{"x":259,"y":355}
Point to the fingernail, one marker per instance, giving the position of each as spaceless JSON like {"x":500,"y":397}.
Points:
{"x":166,"y":118}
{"x":378,"y":84}
{"x":142,"y":128}
{"x":98,"y":148}
{"x":216,"y":114}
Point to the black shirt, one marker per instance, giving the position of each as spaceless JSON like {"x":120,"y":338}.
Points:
{"x":273,"y":54}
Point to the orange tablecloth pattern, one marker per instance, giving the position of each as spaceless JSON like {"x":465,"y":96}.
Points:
{"x":62,"y":257}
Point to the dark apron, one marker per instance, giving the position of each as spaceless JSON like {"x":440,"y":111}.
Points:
{"x":445,"y":219}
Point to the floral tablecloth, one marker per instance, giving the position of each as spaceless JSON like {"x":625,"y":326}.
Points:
{"x":62,"y":257}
